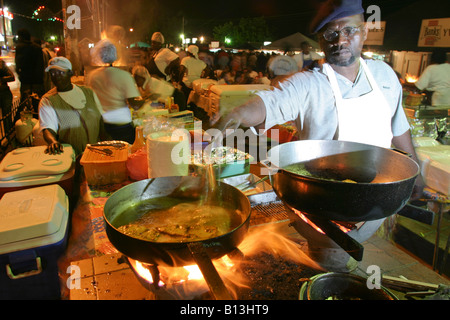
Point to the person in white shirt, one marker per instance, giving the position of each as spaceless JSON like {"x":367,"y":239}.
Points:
{"x":150,"y":87}
{"x":306,"y":58}
{"x":346,"y":98}
{"x":281,"y":67}
{"x":191,"y":66}
{"x":162,"y":63}
{"x":191,"y":69}
{"x":436,"y":78}
{"x":117,"y":91}
{"x":69,"y":113}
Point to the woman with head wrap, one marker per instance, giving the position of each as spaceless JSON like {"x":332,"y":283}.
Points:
{"x":191,"y":69}
{"x":162,"y":63}
{"x":116,"y":91}
{"x":153,"y":88}
{"x":149,"y":87}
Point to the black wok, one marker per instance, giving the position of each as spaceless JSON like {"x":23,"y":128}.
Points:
{"x":179,"y":253}
{"x":385,"y":179}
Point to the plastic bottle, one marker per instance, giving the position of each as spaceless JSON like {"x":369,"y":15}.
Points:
{"x":168,"y":103}
{"x":139,"y":141}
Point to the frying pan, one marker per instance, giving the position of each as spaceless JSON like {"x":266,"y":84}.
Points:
{"x":385,"y":179}
{"x":173,"y":253}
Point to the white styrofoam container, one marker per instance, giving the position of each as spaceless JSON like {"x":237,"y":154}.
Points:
{"x":224,"y":98}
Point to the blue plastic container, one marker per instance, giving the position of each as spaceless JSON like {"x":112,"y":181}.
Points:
{"x":33,"y":235}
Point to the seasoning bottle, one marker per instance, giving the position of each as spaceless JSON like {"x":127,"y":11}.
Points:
{"x":168,"y":103}
{"x":139,"y":141}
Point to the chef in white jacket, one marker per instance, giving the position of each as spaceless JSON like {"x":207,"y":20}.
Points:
{"x":346,"y":98}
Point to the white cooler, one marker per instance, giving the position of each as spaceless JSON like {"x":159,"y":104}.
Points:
{"x":33,"y":234}
{"x":224,"y":98}
{"x":435,"y":167}
{"x":31,"y":167}
{"x":201,"y":86}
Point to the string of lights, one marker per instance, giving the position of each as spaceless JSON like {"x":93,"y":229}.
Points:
{"x":35,"y":15}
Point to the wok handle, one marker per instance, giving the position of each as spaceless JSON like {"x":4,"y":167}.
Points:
{"x":353,"y":247}
{"x":209,"y":272}
{"x":417,"y":213}
{"x":402,"y":152}
{"x":269,"y":166}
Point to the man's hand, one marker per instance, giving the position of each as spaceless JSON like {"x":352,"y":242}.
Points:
{"x":224,"y":123}
{"x":54,"y":148}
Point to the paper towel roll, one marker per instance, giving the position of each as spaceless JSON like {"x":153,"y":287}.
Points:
{"x":168,"y":154}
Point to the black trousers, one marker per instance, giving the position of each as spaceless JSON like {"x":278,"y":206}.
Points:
{"x":125,"y":132}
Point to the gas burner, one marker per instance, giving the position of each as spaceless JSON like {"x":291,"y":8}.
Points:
{"x":171,"y":283}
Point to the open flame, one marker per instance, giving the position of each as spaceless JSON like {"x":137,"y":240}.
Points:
{"x":178,"y":275}
{"x":411,"y":78}
{"x":304,"y":218}
{"x":264,"y":238}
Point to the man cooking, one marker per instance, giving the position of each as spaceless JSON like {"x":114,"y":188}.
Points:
{"x":347,"y":98}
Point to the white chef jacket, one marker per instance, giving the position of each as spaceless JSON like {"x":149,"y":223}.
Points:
{"x":307,"y":99}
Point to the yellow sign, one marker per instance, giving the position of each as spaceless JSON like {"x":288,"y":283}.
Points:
{"x":435,"y":33}
{"x":375,"y":36}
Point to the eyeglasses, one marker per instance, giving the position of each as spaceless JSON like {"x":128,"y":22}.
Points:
{"x":55,"y":72}
{"x":332,"y":35}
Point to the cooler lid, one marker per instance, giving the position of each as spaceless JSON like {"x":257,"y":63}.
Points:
{"x":33,"y":161}
{"x":32,"y":213}
{"x":238,"y":89}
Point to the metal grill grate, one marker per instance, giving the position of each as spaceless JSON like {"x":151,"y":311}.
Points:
{"x":267,"y":212}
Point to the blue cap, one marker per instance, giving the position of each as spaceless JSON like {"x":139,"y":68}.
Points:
{"x":331,"y":10}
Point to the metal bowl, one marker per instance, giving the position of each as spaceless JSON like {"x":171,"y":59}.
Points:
{"x":342,"y":286}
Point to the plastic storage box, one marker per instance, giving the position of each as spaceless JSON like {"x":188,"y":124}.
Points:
{"x":101,"y":168}
{"x":31,"y":167}
{"x":224,"y":98}
{"x":33,"y":234}
{"x":435,"y":167}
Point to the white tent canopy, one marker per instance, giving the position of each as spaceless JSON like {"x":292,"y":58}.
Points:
{"x":291,"y":43}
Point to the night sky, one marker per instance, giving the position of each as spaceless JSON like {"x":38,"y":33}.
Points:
{"x":284,"y":17}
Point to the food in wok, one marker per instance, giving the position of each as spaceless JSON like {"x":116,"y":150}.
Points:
{"x":181,"y":222}
{"x":300,"y":168}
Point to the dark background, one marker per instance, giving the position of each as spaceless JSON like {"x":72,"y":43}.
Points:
{"x":284,"y":17}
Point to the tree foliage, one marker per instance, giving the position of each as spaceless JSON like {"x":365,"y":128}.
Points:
{"x":248,"y":30}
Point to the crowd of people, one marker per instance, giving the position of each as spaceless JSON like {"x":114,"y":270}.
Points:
{"x":159,"y":72}
{"x":100,"y":109}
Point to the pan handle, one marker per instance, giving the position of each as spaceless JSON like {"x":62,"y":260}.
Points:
{"x":209,"y":272}
{"x":271,"y":168}
{"x":353,"y":247}
{"x":402,"y":152}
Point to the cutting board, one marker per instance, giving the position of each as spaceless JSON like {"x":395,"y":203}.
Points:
{"x":33,"y":161}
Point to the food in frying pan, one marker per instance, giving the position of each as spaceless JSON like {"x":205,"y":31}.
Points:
{"x":183,"y":222}
{"x":300,"y":168}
